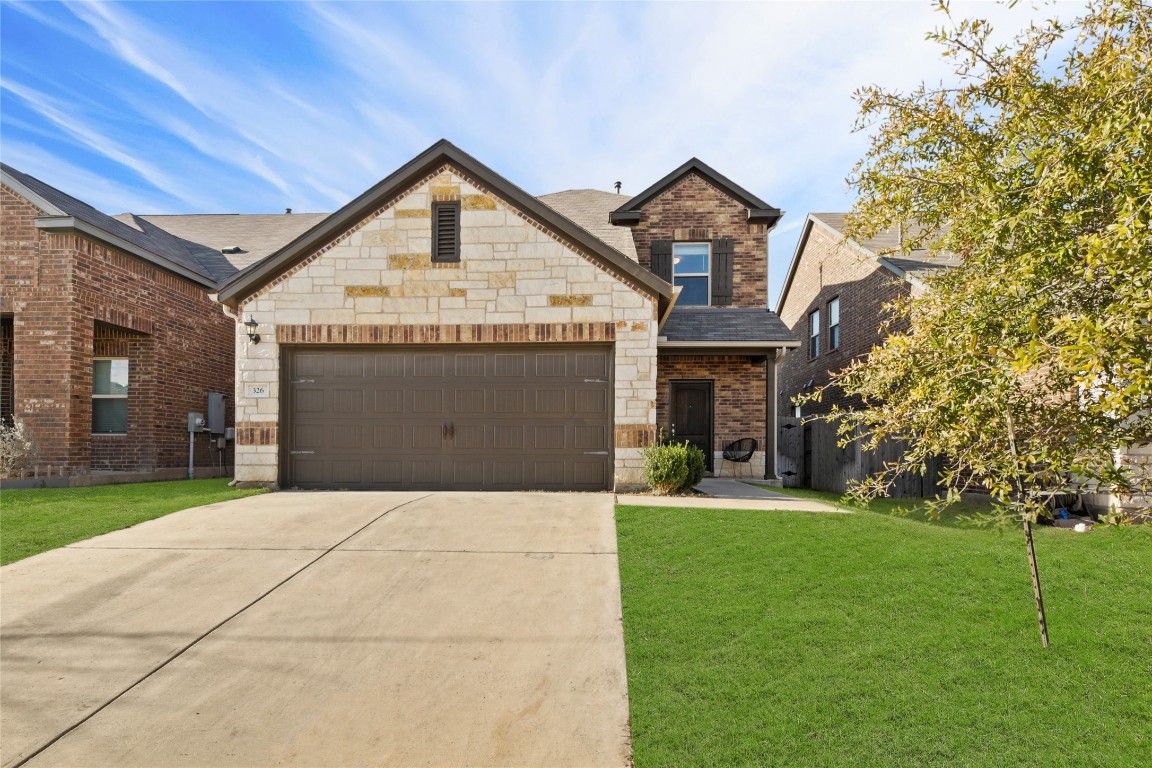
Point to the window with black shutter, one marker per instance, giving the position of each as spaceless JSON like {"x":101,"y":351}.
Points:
{"x":445,"y":232}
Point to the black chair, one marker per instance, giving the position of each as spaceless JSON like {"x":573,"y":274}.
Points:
{"x":740,"y":452}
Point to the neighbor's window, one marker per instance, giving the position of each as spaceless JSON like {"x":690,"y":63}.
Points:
{"x":690,"y":262}
{"x":446,"y":232}
{"x":814,"y":333}
{"x":110,"y":396}
{"x":834,"y":324}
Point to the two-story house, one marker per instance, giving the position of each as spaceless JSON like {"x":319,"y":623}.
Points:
{"x":445,"y":329}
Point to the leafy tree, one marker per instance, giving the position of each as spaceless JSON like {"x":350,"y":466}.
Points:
{"x":1028,"y":366}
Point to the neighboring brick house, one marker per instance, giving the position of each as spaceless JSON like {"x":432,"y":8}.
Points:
{"x":833,"y":301}
{"x":447,"y":330}
{"x":110,"y":335}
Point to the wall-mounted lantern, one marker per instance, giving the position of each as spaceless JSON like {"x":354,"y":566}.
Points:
{"x":252,"y":325}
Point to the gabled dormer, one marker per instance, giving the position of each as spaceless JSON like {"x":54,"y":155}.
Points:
{"x":699,"y":230}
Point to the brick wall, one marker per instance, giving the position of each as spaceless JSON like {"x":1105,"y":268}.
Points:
{"x":694,"y":210}
{"x":738,"y":392}
{"x":829,"y":269}
{"x":71,"y":298}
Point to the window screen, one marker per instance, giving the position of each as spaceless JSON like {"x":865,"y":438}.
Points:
{"x":834,"y":324}
{"x":814,"y":333}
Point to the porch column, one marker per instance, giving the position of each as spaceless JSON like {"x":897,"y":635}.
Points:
{"x":770,"y":425}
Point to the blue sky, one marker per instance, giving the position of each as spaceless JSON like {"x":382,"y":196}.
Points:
{"x":255,"y":107}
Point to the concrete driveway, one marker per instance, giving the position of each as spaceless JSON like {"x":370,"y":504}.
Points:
{"x":324,"y":629}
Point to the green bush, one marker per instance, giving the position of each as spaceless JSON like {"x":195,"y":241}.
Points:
{"x":673,"y":467}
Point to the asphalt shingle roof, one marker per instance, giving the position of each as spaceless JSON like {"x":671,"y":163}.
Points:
{"x":256,"y":234}
{"x":589,"y":208}
{"x":186,"y":254}
{"x":887,"y":241}
{"x":725,"y":324}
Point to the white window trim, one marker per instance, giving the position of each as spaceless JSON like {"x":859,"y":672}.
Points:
{"x":112,"y":397}
{"x":814,"y":334}
{"x":835,"y":300}
{"x":706,"y":274}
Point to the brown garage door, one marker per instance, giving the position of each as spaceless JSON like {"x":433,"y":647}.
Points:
{"x":459,"y":417}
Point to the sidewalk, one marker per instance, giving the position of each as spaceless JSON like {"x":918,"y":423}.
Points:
{"x":727,"y":493}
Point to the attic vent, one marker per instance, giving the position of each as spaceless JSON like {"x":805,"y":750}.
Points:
{"x":232,"y":249}
{"x":446,"y":232}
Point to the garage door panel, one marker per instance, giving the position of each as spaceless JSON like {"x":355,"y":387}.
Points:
{"x":470,"y":401}
{"x":425,"y":436}
{"x":548,"y":365}
{"x":470,"y":365}
{"x":551,"y":401}
{"x":508,"y":401}
{"x":470,"y":437}
{"x":389,"y":401}
{"x":348,"y":401}
{"x":310,"y":364}
{"x":309,"y":400}
{"x":390,"y":366}
{"x":549,"y":438}
{"x":428,"y":401}
{"x":509,"y":365}
{"x":348,"y":366}
{"x":388,"y":437}
{"x":428,"y":365}
{"x":463,"y":417}
{"x":387,"y":472}
{"x":592,"y":401}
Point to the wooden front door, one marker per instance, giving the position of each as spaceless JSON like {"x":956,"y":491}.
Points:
{"x":691,"y":416}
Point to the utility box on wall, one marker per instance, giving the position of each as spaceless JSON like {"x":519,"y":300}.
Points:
{"x":216,"y":413}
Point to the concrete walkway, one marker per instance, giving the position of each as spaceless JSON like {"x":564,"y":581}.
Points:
{"x":318,"y":629}
{"x":728,"y":493}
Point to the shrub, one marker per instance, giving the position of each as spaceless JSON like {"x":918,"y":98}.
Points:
{"x":673,"y":467}
{"x":16,"y":448}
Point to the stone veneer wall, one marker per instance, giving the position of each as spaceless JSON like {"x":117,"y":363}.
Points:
{"x":516,"y":282}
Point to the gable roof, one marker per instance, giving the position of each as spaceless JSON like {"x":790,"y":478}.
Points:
{"x":442,"y":153}
{"x":913,"y":267}
{"x":64,"y":213}
{"x":591,"y":209}
{"x":758,"y":210}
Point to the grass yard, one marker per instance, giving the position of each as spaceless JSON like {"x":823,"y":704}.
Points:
{"x":807,"y":639}
{"x":36,"y":520}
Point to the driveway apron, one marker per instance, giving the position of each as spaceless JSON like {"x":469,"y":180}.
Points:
{"x":316,"y":629}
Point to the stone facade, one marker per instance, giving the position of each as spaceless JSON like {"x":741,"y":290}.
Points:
{"x":830,"y":269}
{"x":515,"y":281}
{"x":68,"y":298}
{"x":694,"y":210}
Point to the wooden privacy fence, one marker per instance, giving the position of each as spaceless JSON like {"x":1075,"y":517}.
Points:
{"x":810,"y":457}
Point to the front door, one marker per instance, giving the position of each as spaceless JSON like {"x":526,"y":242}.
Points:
{"x":691,"y":416}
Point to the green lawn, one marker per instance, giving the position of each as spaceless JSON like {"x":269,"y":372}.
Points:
{"x":913,"y":509}
{"x":807,"y":639}
{"x":36,"y":520}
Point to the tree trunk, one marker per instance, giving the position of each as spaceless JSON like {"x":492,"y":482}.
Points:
{"x":1036,"y":582}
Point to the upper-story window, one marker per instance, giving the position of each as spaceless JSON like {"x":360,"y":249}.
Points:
{"x":814,"y":333}
{"x":690,"y":270}
{"x":110,"y":396}
{"x":834,"y":324}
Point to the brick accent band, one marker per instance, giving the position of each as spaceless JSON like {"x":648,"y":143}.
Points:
{"x":635,"y":435}
{"x":257,"y":433}
{"x":445,"y":334}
